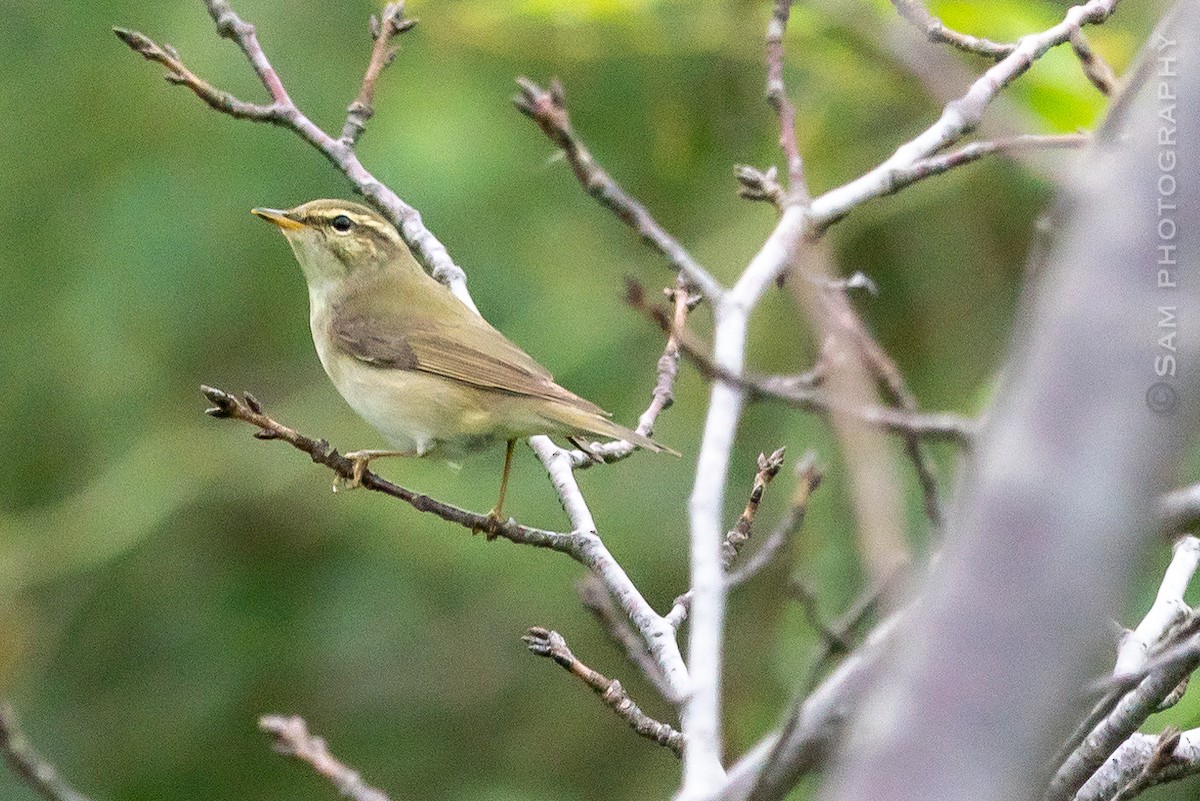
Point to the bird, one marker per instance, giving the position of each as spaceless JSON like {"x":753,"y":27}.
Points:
{"x":427,"y":372}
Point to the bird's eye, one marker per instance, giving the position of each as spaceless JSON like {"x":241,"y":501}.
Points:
{"x":342,"y":223}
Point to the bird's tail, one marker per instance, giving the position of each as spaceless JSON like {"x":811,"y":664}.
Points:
{"x":602,"y":426}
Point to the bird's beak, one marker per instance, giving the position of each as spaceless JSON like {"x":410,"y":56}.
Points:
{"x":280,"y":218}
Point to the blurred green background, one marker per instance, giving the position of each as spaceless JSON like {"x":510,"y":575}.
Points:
{"x":165,"y":579}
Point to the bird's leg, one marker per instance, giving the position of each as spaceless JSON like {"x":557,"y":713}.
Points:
{"x":494,"y":514}
{"x":363,"y":458}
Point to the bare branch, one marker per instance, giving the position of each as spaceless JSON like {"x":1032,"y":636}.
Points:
{"x":583,"y":545}
{"x":384,"y":30}
{"x":37,"y":774}
{"x":1168,"y":609}
{"x":889,"y":379}
{"x":812,"y":725}
{"x":809,"y":478}
{"x":1095,"y":68}
{"x":548,"y":109}
{"x":664,"y":388}
{"x":180,"y":75}
{"x":284,"y":113}
{"x":936,"y":165}
{"x":800,"y":392}
{"x":768,"y":468}
{"x":1133,"y":699}
{"x":551,"y":644}
{"x":835,"y":641}
{"x":1148,"y":647}
{"x":291,"y":738}
{"x":1012,"y":628}
{"x":915,"y":12}
{"x":595,"y":599}
{"x":249,"y":411}
{"x":1143,"y":761}
{"x":777,"y":96}
{"x":1162,"y":756}
{"x":959,"y":117}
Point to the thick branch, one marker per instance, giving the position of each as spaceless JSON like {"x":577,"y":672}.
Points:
{"x":551,"y":644}
{"x":596,"y":599}
{"x":548,"y":109}
{"x":37,"y":774}
{"x":292,"y":738}
{"x":1143,"y":761}
{"x":1057,"y":508}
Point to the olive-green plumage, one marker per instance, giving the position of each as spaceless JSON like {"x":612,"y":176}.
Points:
{"x":427,"y":372}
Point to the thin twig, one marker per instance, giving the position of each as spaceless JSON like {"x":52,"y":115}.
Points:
{"x":958,"y":118}
{"x":768,"y":468}
{"x":797,"y":191}
{"x":914,"y":11}
{"x":895,"y":389}
{"x":809,"y":478}
{"x":936,"y":165}
{"x":836,"y":642}
{"x":800,"y":392}
{"x":663,"y":396}
{"x":282,"y":111}
{"x":843,"y":628}
{"x":248,"y":410}
{"x":1094,"y":66}
{"x":583,"y":545}
{"x":384,"y":29}
{"x":549,"y":110}
{"x":290,"y":737}
{"x":37,"y":774}
{"x":551,"y":644}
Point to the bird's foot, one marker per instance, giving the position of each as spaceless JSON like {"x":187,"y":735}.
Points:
{"x":493,"y":522}
{"x":361,"y":460}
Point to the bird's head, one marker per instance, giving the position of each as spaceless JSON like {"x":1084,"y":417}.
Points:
{"x":335,"y":240}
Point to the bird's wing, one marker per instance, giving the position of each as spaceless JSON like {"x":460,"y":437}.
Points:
{"x":468,"y":350}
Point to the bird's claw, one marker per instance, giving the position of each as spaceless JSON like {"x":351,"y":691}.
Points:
{"x":360,"y":459}
{"x":490,"y":525}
